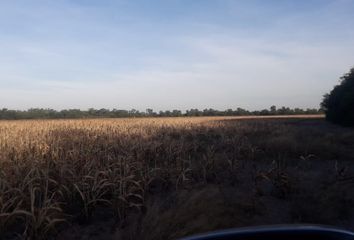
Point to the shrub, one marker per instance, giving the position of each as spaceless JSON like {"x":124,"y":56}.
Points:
{"x":339,"y":103}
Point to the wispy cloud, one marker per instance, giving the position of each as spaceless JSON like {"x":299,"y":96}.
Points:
{"x":174,"y":54}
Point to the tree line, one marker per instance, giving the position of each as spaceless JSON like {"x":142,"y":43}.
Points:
{"x":42,"y":113}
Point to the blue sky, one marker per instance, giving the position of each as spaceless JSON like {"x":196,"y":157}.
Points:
{"x":171,"y":54}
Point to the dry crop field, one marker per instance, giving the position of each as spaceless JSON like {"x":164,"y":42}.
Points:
{"x":165,"y":178}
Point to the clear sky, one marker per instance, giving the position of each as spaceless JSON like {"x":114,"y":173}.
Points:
{"x":172,"y":54}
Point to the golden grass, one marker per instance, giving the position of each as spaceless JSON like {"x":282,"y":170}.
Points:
{"x":47,"y":166}
{"x":52,"y":171}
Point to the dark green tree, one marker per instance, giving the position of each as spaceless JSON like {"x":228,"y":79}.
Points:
{"x":338,"y":105}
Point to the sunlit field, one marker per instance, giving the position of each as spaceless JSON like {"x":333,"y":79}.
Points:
{"x":165,"y":178}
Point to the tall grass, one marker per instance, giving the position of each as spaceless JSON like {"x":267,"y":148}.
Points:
{"x":57,"y":171}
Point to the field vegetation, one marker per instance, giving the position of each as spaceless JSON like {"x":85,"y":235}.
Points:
{"x":165,"y":178}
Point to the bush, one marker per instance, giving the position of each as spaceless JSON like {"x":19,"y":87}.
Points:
{"x":339,"y":103}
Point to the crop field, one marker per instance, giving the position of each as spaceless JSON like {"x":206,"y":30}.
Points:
{"x":165,"y":178}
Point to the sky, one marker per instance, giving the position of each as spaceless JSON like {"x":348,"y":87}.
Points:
{"x":172,"y":54}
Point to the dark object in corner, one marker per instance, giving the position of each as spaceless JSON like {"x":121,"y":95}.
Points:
{"x":281,"y":232}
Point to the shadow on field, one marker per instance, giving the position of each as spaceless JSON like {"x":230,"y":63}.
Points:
{"x":243,"y":173}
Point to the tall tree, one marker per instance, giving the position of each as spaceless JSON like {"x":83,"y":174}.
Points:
{"x":339,"y":103}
